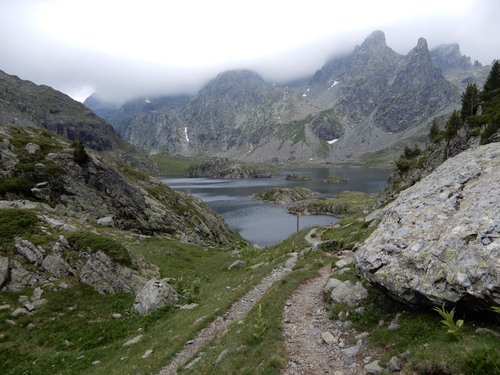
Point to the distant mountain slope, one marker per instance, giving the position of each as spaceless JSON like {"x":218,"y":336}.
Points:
{"x":37,"y":165}
{"x":23,"y":103}
{"x":365,"y":102}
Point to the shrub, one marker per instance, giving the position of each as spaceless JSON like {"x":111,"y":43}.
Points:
{"x":16,"y":223}
{"x":18,"y":186}
{"x":79,"y":153}
{"x":82,"y":241}
{"x":482,"y":361}
{"x":411,"y":153}
{"x":403,"y":165}
{"x":490,"y":129}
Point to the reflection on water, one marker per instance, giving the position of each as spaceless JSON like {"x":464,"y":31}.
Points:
{"x":265,"y":223}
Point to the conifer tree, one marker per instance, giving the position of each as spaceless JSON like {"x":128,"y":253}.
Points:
{"x":434,"y":130}
{"x":492,"y":84}
{"x":470,"y":101}
{"x":453,"y":124}
{"x":79,"y":153}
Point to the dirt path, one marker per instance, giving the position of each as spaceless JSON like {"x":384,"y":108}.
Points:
{"x":305,"y":319}
{"x":237,"y":312}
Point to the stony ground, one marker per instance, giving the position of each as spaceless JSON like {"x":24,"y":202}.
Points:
{"x":236,"y":313}
{"x":316,"y":344}
{"x":306,"y":319}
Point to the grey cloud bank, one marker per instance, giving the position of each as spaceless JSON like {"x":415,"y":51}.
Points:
{"x":120,"y":60}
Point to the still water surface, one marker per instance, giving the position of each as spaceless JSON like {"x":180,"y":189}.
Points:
{"x":265,"y":223}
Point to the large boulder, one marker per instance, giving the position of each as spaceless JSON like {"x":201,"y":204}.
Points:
{"x":106,"y":276}
{"x":439,"y":241}
{"x":155,"y":294}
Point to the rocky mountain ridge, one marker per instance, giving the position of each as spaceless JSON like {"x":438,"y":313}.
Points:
{"x":357,"y":104}
{"x":23,"y":103}
{"x":39,"y":166}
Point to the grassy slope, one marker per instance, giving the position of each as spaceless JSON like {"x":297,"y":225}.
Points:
{"x":76,"y":326}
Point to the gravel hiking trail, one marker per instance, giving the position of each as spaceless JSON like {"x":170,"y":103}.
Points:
{"x":305,"y":317}
{"x":236,"y":313}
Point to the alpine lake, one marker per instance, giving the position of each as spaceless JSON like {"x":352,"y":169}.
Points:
{"x":266,"y":224}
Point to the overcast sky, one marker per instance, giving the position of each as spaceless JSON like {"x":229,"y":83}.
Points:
{"x":128,"y":48}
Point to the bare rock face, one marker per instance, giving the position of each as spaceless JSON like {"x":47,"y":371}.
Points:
{"x":439,"y":241}
{"x":106,"y":276}
{"x":155,"y":294}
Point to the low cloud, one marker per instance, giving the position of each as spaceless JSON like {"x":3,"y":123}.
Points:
{"x":126,"y":63}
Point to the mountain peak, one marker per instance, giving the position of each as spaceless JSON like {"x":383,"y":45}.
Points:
{"x":449,"y":58}
{"x":422,"y":45}
{"x":376,"y":38}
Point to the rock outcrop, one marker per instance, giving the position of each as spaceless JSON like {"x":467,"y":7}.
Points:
{"x":101,"y":189}
{"x":439,"y":241}
{"x":154,"y":295}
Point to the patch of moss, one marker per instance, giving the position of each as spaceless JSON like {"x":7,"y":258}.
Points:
{"x":16,"y":223}
{"x":82,"y":241}
{"x":18,"y":186}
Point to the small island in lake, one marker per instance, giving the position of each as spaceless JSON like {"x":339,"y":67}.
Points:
{"x":344,"y":203}
{"x":229,"y":169}
{"x":284,"y":195}
{"x":297,"y":177}
{"x":335,"y":180}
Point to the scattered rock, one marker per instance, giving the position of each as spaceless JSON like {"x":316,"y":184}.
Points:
{"x":361,"y":336}
{"x":55,"y":265}
{"x":19,"y":311}
{"x":351,"y":351}
{"x":135,"y":340}
{"x":331,"y":284}
{"x":154,"y":295}
{"x":373,"y":368}
{"x":341,"y":263}
{"x":487,"y":331}
{"x":192,"y":363}
{"x":34,"y":254}
{"x":32,"y":148}
{"x":190,"y":306}
{"x":394,"y":364}
{"x":328,"y":338}
{"x":106,"y":221}
{"x":147,"y":353}
{"x":349,"y":293}
{"x":236,"y":264}
{"x":394,"y":324}
{"x":221,"y":356}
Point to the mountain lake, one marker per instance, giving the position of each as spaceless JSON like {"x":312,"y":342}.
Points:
{"x":266,"y":224}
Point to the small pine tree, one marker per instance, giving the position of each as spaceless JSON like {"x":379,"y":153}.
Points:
{"x":454,"y":123}
{"x":434,"y":131}
{"x":411,"y":153}
{"x":492,"y":85}
{"x":79,"y":153}
{"x":470,"y":101}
